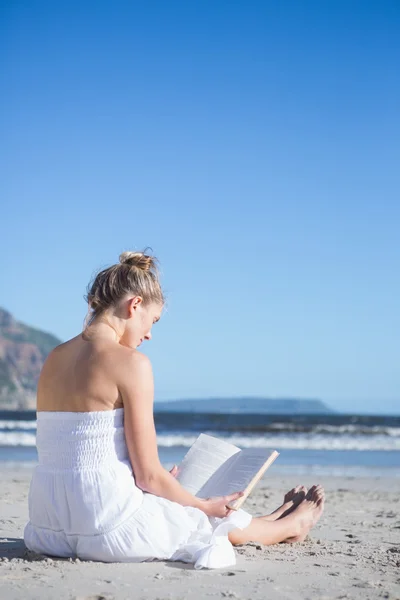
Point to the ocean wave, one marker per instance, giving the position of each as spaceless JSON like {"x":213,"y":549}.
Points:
{"x":299,"y":441}
{"x":17,"y":438}
{"x":270,"y":428}
{"x":335,"y":429}
{"x":15,"y":425}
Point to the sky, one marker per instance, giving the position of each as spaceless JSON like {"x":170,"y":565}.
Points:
{"x":254,"y":146}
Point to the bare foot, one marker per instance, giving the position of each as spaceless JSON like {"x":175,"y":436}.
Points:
{"x":308,"y":512}
{"x":296,"y":495}
{"x":290,"y":501}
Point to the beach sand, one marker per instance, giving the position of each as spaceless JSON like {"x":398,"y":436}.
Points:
{"x":354,"y":553}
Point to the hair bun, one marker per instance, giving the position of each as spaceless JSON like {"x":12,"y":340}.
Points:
{"x":140,"y":260}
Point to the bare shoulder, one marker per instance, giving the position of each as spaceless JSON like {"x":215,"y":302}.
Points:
{"x":55,"y":353}
{"x":133,"y":363}
{"x":66,"y":345}
{"x":55,"y":362}
{"x":62,"y":349}
{"x":134,"y":379}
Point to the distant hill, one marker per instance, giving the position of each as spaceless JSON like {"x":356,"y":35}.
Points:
{"x":245,"y":405}
{"x":23,"y":350}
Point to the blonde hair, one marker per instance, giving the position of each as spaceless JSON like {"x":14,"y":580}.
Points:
{"x":136,"y":274}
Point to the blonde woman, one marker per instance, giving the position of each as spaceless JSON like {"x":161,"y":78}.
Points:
{"x":99,"y":491}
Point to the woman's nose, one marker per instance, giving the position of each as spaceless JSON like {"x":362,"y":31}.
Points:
{"x":147,"y":336}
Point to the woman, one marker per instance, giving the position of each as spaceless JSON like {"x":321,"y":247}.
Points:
{"x":99,"y":491}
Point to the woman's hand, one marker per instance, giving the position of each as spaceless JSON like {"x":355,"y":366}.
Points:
{"x":214,"y":507}
{"x":217,"y":507}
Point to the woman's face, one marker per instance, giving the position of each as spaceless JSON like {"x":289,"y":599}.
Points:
{"x":141,"y":320}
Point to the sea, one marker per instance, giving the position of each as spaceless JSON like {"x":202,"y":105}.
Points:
{"x":320,"y":445}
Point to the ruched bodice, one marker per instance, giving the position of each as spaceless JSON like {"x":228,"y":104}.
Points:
{"x":84,"y":502}
{"x":81,"y":440}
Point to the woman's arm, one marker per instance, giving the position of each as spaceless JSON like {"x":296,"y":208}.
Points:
{"x":135,"y":382}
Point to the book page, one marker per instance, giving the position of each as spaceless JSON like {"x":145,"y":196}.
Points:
{"x":207,"y":455}
{"x":236,"y":474}
{"x":238,"y":503}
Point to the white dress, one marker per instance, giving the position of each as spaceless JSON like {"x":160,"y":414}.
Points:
{"x":83,"y":501}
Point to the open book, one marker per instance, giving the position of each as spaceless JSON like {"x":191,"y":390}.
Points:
{"x":213,"y":467}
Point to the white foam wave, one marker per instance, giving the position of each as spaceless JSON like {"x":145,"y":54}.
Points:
{"x":18,"y":425}
{"x":336,"y":429}
{"x":297,"y":428}
{"x":17,"y":438}
{"x":299,"y":441}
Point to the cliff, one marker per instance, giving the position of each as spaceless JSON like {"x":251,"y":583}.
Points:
{"x":23,"y":350}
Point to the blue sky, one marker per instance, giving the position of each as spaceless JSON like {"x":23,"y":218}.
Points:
{"x":253,"y":145}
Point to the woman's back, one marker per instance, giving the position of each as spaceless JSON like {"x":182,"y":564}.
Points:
{"x":84,"y":483}
{"x":81,"y":376}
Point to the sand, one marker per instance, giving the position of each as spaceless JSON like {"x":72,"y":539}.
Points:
{"x":354,"y":552}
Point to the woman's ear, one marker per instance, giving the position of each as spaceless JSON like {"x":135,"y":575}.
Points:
{"x":133,"y":304}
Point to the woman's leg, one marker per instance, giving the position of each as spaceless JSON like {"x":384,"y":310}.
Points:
{"x":291,"y":528}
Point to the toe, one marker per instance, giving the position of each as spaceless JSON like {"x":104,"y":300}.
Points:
{"x":302,"y":491}
{"x":310,"y":492}
{"x":290,"y":494}
{"x":316,"y":494}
